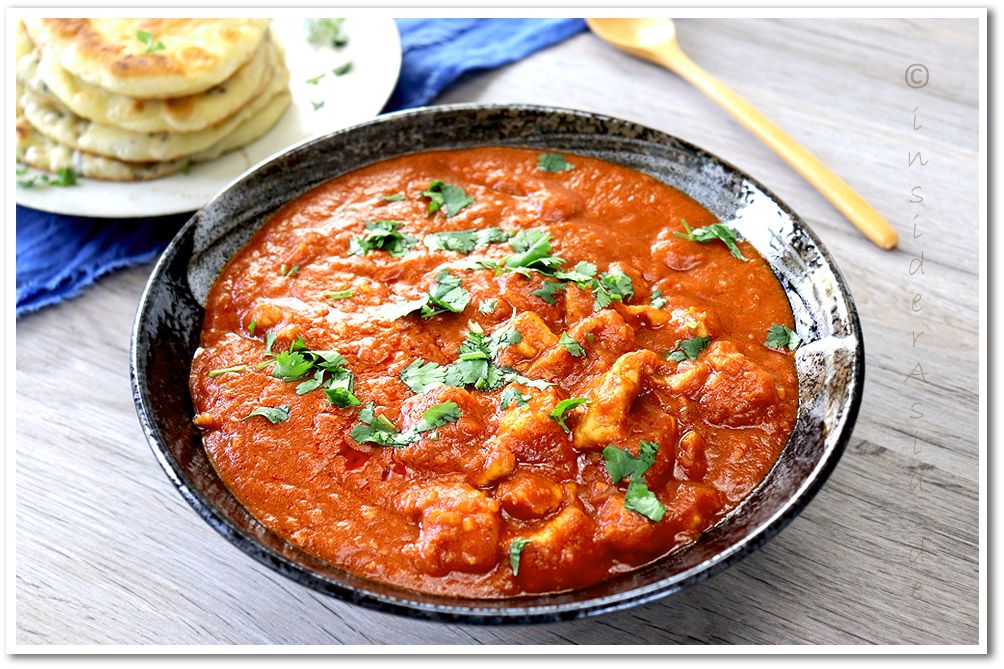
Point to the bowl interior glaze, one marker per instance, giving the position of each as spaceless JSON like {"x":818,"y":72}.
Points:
{"x":830,"y":364}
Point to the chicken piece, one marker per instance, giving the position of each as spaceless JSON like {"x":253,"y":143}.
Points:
{"x":688,"y":380}
{"x":489,"y":464}
{"x":454,"y":443}
{"x":691,"y":462}
{"x":528,"y":496}
{"x":578,"y":303}
{"x":529,"y":432}
{"x":562,"y":554}
{"x":642,"y":314}
{"x":691,"y":322}
{"x":536,"y":336}
{"x":606,"y":418}
{"x":604,"y":334}
{"x":634,"y":538}
{"x":460,"y":529}
{"x":738,"y":392}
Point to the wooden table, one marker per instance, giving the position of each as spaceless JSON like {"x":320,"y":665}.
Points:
{"x":107,"y":551}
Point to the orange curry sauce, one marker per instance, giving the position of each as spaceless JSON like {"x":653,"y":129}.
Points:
{"x":441,"y":513}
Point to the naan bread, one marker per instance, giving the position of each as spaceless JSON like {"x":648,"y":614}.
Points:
{"x":197,"y":55}
{"x":37,"y":150}
{"x":42,"y":73}
{"x":49,"y":117}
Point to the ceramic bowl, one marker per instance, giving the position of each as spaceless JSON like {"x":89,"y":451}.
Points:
{"x":830,"y":364}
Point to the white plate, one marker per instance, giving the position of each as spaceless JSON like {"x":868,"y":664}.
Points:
{"x":374,"y":48}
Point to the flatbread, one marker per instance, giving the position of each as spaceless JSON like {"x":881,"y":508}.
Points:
{"x":197,"y":54}
{"x":49,"y":117}
{"x":42,"y":73}
{"x":35,"y":149}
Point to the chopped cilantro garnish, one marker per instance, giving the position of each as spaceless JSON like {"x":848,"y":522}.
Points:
{"x":620,"y":464}
{"x":273,"y":414}
{"x":553,"y":162}
{"x":610,"y":286}
{"x":569,"y":343}
{"x":327,"y":31}
{"x":446,"y":295}
{"x":396,"y":197}
{"x":65,"y":177}
{"x":382,"y":235}
{"x":464,"y":241}
{"x":299,"y":362}
{"x":512,"y":394}
{"x":558,"y":415}
{"x":488,"y":306}
{"x":657,"y":300}
{"x":781,"y":336}
{"x":342,"y":69}
{"x":147,"y":39}
{"x":237,"y":368}
{"x":252,"y":326}
{"x":340,"y":294}
{"x":283,"y":271}
{"x":547,"y":290}
{"x":317,"y":105}
{"x":533,"y":251}
{"x":314,"y":80}
{"x":515,"y":551}
{"x":383,"y":433}
{"x":581,"y":274}
{"x":590,"y":337}
{"x":688,"y":348}
{"x":421,"y":376}
{"x":445,"y":195}
{"x":710,"y":233}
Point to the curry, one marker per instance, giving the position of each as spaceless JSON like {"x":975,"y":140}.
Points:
{"x":492,"y":372}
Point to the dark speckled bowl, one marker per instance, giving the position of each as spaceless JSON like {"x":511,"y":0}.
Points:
{"x":830,"y":365}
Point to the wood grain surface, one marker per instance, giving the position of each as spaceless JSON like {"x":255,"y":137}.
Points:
{"x":108,"y":552}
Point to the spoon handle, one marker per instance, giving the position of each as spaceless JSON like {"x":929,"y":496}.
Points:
{"x":836,"y":190}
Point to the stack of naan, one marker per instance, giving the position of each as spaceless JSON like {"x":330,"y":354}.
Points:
{"x":134,"y":99}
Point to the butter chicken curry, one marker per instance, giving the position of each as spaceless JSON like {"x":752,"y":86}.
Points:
{"x":492,"y":372}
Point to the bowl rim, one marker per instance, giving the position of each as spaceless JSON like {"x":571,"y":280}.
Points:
{"x":517,"y":613}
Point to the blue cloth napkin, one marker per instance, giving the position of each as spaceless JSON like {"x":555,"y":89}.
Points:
{"x":58,"y":256}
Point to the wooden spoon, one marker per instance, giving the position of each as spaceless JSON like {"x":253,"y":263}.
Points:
{"x":655,"y":40}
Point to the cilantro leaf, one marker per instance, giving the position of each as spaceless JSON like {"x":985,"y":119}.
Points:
{"x":421,"y":376}
{"x":342,"y":69}
{"x":382,"y":235}
{"x":66,"y":177}
{"x":582,"y":274}
{"x":553,"y":162}
{"x":688,"y":349}
{"x":446,"y":195}
{"x":464,"y":241}
{"x":315,"y":80}
{"x":488,"y":306}
{"x":396,"y":197}
{"x":447,"y":294}
{"x":547,"y":290}
{"x":781,"y":336}
{"x":379,"y":431}
{"x":273,"y":414}
{"x":341,"y":397}
{"x":515,"y":551}
{"x":290,"y":366}
{"x":533,"y":251}
{"x":712,"y":232}
{"x":569,"y":343}
{"x":620,"y":464}
{"x":512,"y":394}
{"x":340,"y":294}
{"x":437,"y":416}
{"x":657,"y":300}
{"x":317,"y":105}
{"x":558,"y":415}
{"x":611,"y":286}
{"x":147,"y":39}
{"x":392,"y":312}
